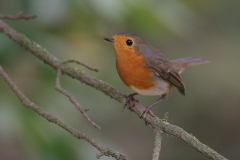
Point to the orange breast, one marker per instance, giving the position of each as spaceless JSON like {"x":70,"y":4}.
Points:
{"x":132,"y":70}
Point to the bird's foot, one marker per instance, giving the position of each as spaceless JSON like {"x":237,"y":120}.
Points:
{"x":148,"y":109}
{"x":130,"y":101}
{"x":145,"y":112}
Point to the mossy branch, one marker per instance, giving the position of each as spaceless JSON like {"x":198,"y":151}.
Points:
{"x":53,"y":119}
{"x":104,"y":87}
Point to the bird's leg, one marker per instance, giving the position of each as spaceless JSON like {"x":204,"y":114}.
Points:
{"x":148,"y":109}
{"x":130,"y":101}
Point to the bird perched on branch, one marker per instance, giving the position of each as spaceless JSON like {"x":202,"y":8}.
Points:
{"x":146,"y":70}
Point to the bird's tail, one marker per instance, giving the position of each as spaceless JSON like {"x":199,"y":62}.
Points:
{"x":180,"y":64}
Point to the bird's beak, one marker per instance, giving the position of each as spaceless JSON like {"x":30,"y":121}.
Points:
{"x":109,"y":39}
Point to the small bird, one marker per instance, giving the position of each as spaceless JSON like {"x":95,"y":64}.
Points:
{"x":146,"y":70}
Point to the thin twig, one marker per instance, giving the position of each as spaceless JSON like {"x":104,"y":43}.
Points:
{"x":53,"y":119}
{"x":80,"y":63}
{"x":165,"y":116}
{"x":157,"y":142}
{"x":73,"y":99}
{"x":18,"y":16}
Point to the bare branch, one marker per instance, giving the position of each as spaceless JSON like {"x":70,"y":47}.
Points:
{"x":179,"y":133}
{"x":73,"y":100}
{"x":47,"y":58}
{"x":18,"y":16}
{"x":80,"y":63}
{"x":158,"y":142}
{"x":53,"y":119}
{"x":83,"y":77}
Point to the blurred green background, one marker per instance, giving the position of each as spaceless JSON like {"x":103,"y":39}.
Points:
{"x":74,"y":29}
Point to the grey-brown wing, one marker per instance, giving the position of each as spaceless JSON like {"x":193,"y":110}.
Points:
{"x":169,"y":74}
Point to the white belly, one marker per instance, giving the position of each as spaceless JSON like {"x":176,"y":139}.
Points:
{"x":161,"y":87}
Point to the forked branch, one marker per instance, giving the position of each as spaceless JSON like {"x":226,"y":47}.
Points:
{"x":55,"y":120}
{"x":83,"y":77}
{"x":73,"y":99}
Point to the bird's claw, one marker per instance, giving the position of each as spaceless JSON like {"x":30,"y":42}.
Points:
{"x":144,"y":113}
{"x":130,"y":101}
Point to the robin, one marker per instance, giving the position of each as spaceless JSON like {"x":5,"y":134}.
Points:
{"x":146,"y":70}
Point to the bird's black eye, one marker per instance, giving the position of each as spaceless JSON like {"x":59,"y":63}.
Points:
{"x":129,"y":42}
